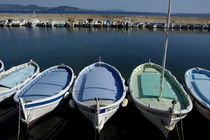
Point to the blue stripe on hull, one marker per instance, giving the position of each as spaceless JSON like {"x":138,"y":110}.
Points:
{"x":102,"y":111}
{"x":44,"y":102}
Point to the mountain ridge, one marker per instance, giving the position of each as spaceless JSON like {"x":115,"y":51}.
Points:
{"x":34,"y":8}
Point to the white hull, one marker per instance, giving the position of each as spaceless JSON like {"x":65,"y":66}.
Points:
{"x":201,"y":105}
{"x":98,"y":120}
{"x":4,"y":97}
{"x":37,"y":108}
{"x":97,"y":114}
{"x":33,"y":114}
{"x":164,"y":124}
{"x":2,"y":66}
{"x":203,"y":111}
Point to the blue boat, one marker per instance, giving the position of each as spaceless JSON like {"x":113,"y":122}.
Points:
{"x":44,"y":93}
{"x":15,"y":78}
{"x":198,"y":83}
{"x":1,"y":66}
{"x":98,"y":92}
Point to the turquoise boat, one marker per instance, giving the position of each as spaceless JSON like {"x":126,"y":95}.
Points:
{"x":164,"y":109}
{"x":198,"y":84}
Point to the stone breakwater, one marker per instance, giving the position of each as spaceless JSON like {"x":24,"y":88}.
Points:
{"x":133,"y":18}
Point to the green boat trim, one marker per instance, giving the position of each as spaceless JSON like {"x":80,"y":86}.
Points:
{"x":145,"y":89}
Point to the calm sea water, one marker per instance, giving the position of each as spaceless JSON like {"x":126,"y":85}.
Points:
{"x":123,"y":48}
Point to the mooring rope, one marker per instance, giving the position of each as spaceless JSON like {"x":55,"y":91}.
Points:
{"x":182,"y":130}
{"x":19,"y":117}
{"x":177,"y":129}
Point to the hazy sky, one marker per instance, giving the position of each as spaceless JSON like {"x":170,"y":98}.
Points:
{"x":179,"y":6}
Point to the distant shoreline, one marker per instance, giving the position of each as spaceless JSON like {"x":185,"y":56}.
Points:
{"x":134,"y":18}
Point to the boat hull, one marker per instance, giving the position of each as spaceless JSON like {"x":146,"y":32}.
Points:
{"x":1,"y":66}
{"x":97,"y":114}
{"x":34,"y":113}
{"x":165,"y":122}
{"x":44,"y":93}
{"x":7,"y":95}
{"x":165,"y":111}
{"x":203,"y":111}
{"x":98,"y":120}
{"x":199,"y":93}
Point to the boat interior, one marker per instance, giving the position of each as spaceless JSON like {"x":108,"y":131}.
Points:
{"x":47,"y":84}
{"x":147,"y":84}
{"x":16,"y":77}
{"x":99,"y":82}
{"x":200,"y":81}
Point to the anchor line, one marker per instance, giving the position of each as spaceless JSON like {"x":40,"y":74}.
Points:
{"x":177,"y":129}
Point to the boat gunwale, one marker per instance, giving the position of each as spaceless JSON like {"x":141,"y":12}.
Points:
{"x":28,"y":85}
{"x":2,"y":66}
{"x":31,"y":62}
{"x":106,"y":106}
{"x":182,"y":111}
{"x":191,"y":93}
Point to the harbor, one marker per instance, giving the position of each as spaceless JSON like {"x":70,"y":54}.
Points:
{"x":99,"y":21}
{"x":136,"y":46}
{"x":40,"y":99}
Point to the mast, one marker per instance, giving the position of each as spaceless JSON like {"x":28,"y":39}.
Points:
{"x":165,"y":49}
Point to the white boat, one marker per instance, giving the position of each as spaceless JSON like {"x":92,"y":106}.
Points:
{"x":198,"y":83}
{"x":136,"y":24}
{"x":15,"y":23}
{"x":60,"y":23}
{"x":41,"y":24}
{"x":107,"y":23}
{"x":50,"y":23}
{"x":44,"y":92}
{"x":22,"y":22}
{"x":32,"y":22}
{"x":163,"y":110}
{"x":157,"y":93}
{"x":98,"y":92}
{"x":1,"y":66}
{"x":15,"y":78}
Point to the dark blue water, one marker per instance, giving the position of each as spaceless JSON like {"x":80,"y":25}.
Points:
{"x":123,"y":48}
{"x":112,"y":13}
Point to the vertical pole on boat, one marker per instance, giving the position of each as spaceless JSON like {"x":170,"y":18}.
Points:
{"x":165,"y":49}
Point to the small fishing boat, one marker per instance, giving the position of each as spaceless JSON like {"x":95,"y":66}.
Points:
{"x":44,"y":92}
{"x":15,"y":78}
{"x":165,"y":106}
{"x":60,"y":24}
{"x":198,"y":84}
{"x":1,"y":66}
{"x":98,"y":92}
